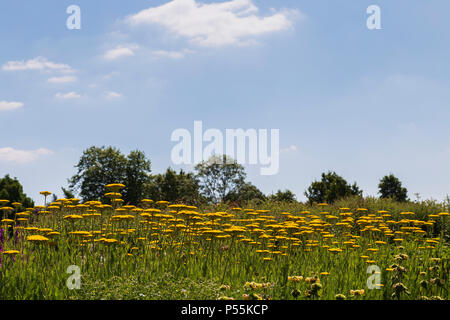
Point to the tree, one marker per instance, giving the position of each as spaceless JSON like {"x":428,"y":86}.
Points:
{"x":391,"y":187}
{"x":12,"y":190}
{"x":98,"y":167}
{"x":188,"y":188}
{"x":173,"y":187}
{"x":245,"y":192}
{"x":219,"y":176}
{"x":283,"y":196}
{"x":67,"y":193}
{"x":163,"y":187}
{"x":137,"y":175}
{"x":54,"y":198}
{"x":331,"y":188}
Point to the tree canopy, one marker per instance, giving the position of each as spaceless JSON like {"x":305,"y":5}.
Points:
{"x":98,"y":167}
{"x":331,"y":188}
{"x":391,"y":187}
{"x":12,"y":190}
{"x":174,"y":187}
{"x":245,"y":192}
{"x":219,"y":176}
{"x":283,"y":196}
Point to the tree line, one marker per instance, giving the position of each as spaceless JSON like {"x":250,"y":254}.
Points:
{"x":219,"y":179}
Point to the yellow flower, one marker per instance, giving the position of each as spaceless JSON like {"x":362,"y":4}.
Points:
{"x":359,"y":292}
{"x":113,"y":195}
{"x":312,"y":280}
{"x":73,"y":217}
{"x":10,"y":252}
{"x":295,"y":278}
{"x":22,"y":214}
{"x":37,"y":238}
{"x":147,"y":201}
{"x":114,"y":187}
{"x":80,"y":233}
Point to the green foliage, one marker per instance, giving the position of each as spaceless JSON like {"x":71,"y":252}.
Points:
{"x":67,"y":193}
{"x":12,"y":190}
{"x":283,"y":196}
{"x":137,"y":175}
{"x":246,"y":192}
{"x":391,"y":187}
{"x":331,"y":188}
{"x":219,"y":176}
{"x":170,"y":186}
{"x":147,"y":287}
{"x":98,"y":167}
{"x":417,"y":270}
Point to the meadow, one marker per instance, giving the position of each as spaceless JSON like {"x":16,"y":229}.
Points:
{"x":353,"y":249}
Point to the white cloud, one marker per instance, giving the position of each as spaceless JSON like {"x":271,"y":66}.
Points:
{"x":69,"y":95}
{"x":120,"y":51}
{"x":6,"y":106}
{"x":171,"y":54}
{"x":291,"y":148}
{"x":39,"y":63}
{"x":217,"y":24}
{"x":64,"y":79}
{"x":113,"y":95}
{"x":22,"y":156}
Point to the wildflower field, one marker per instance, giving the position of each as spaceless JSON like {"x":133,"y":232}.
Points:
{"x":355,"y":249}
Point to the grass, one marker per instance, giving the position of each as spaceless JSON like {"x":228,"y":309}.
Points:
{"x":269,"y":251}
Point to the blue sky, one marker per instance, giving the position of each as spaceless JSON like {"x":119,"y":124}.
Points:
{"x":361,"y":102}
